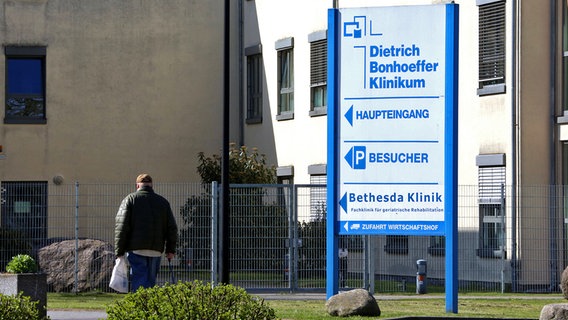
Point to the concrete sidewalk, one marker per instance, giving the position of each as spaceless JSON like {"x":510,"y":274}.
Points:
{"x":76,"y":314}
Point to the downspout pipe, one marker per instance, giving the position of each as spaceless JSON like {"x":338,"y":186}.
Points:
{"x":224,"y":264}
{"x":514,"y":127}
{"x":241,"y":75}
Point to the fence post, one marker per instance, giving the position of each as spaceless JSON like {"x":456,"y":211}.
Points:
{"x":369,"y":264}
{"x":214,"y":231}
{"x":291,"y":236}
{"x":514,"y":263}
{"x":553,"y":245}
{"x":294,"y":272}
{"x":503,"y":240}
{"x":76,"y":282}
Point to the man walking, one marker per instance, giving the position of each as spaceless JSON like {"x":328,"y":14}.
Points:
{"x":145,"y":228}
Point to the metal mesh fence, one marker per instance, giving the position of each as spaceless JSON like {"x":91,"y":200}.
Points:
{"x":515,"y":242}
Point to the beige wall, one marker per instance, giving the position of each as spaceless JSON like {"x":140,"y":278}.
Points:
{"x":534,"y":94}
{"x":535,"y":133}
{"x":132,"y":86}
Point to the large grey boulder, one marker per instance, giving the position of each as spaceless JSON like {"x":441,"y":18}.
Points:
{"x":555,"y":311}
{"x":95,"y":263}
{"x":564,"y":283}
{"x":357,"y":302}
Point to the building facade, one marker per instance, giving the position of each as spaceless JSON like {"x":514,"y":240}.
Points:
{"x":512,"y":123}
{"x":99,"y":91}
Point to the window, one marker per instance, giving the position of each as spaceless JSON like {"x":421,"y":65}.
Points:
{"x":25,"y":85}
{"x":285,"y":174}
{"x":491,"y":47}
{"x":254,"y":84}
{"x":24,"y":212}
{"x":491,"y":230}
{"x":397,"y":245}
{"x":285,"y":79}
{"x":318,"y":73}
{"x":437,"y":246}
{"x":318,"y":191}
{"x":491,"y":212}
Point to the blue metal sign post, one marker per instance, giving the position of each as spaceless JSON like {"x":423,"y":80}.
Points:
{"x":392,"y":127}
{"x":451,"y":147}
{"x":332,"y":275}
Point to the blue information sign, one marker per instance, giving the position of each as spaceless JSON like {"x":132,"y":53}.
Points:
{"x":392,"y":122}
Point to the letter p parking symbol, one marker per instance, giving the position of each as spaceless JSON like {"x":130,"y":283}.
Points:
{"x":357,"y":157}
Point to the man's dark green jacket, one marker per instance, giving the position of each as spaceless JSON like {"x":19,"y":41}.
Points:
{"x":145,"y":221}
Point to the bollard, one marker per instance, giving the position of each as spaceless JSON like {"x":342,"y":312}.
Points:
{"x":421,"y":273}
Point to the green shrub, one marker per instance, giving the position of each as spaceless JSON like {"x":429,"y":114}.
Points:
{"x":245,"y":166}
{"x":190,"y":300}
{"x":21,"y":263}
{"x":19,"y":308}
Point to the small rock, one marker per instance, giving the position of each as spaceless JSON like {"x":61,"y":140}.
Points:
{"x":357,"y":302}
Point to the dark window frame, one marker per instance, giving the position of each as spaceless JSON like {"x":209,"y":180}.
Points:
{"x":34,"y":110}
{"x":285,"y":65}
{"x":437,"y":246}
{"x":492,"y":213}
{"x":492,"y":51}
{"x":318,"y":77}
{"x":396,"y":245}
{"x":491,"y":231}
{"x":254,"y":84}
{"x":25,"y":213}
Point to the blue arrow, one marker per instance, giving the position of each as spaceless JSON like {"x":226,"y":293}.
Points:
{"x":349,"y":115}
{"x":349,"y":157}
{"x":343,"y":202}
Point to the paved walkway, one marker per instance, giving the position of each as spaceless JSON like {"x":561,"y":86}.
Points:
{"x":76,"y":315}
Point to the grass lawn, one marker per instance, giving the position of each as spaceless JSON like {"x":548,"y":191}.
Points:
{"x":432,"y":307}
{"x":527,"y":306}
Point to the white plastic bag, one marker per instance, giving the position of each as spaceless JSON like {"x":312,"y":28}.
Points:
{"x":119,"y":277}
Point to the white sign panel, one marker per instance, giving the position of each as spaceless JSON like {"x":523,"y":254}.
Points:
{"x":392,"y":80}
